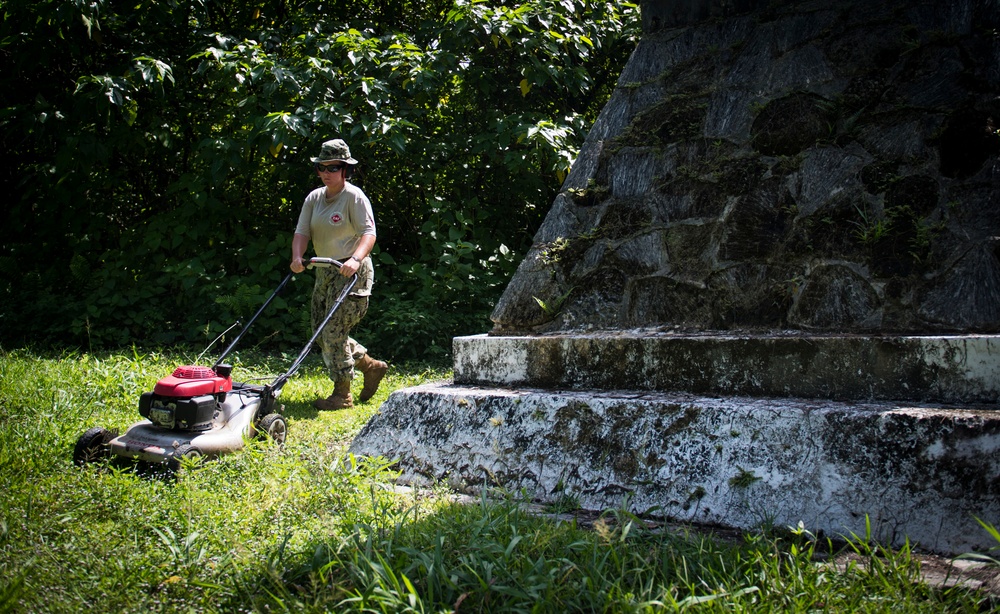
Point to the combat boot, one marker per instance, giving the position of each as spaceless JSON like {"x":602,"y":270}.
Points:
{"x":374,"y":371}
{"x":340,"y":399}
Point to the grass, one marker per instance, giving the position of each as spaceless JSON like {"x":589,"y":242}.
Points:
{"x":307,"y":528}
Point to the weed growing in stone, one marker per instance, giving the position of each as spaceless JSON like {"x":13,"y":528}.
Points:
{"x":982,"y":557}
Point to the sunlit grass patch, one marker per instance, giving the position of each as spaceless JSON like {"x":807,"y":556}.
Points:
{"x":306,"y":527}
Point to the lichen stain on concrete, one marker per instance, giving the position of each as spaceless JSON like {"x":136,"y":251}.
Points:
{"x":622,"y":436}
{"x":825,"y":463}
{"x":951,"y":369}
{"x":929,"y":451}
{"x":678,"y":426}
{"x":546,"y":364}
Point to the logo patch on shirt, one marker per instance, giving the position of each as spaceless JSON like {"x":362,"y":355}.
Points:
{"x":336,"y":218}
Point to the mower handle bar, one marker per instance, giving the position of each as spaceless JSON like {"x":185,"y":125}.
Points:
{"x":323,"y":263}
{"x":279,"y":382}
{"x":313,"y":262}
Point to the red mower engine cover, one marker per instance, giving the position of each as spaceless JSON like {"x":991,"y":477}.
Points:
{"x":188,"y":399}
{"x":193,"y":381}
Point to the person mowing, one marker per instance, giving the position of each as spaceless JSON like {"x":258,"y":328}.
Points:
{"x":339,"y":221}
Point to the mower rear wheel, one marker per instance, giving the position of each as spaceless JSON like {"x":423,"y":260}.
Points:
{"x":274,"y":427}
{"x":183,"y":451}
{"x":92,"y":445}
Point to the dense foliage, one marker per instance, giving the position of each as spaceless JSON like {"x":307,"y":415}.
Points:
{"x":155,"y":155}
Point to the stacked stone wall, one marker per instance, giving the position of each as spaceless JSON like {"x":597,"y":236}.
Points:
{"x":795,"y":166}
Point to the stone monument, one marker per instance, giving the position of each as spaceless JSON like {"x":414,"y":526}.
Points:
{"x":768,"y":291}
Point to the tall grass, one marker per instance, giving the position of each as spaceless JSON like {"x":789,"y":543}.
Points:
{"x":307,"y":528}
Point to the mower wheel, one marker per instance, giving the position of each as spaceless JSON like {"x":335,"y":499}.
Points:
{"x":92,"y":445}
{"x":183,"y":451}
{"x":274,"y":427}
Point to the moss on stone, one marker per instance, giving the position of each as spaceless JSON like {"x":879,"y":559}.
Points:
{"x":788,"y":125}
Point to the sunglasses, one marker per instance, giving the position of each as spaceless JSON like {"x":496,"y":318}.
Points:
{"x":329,"y":168}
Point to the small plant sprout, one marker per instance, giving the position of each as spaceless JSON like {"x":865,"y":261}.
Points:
{"x":743,"y":479}
{"x":553,"y":309}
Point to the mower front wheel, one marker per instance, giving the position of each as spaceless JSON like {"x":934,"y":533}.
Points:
{"x":274,"y":427}
{"x":92,"y":446}
{"x":182,"y":452}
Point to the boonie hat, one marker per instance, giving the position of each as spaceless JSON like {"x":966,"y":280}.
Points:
{"x":336,"y":149}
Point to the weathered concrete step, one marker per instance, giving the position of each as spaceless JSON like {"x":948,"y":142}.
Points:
{"x":916,"y":470}
{"x":951,"y":369}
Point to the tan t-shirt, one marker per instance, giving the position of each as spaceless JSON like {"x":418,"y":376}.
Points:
{"x":336,"y":226}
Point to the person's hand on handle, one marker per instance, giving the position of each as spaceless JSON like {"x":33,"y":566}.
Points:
{"x":352,"y":263}
{"x":299,"y":245}
{"x":350,"y":266}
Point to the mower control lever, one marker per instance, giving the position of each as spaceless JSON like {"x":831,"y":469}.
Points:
{"x":323,"y":263}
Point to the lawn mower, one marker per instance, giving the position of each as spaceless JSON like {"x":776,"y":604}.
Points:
{"x":201,"y":411}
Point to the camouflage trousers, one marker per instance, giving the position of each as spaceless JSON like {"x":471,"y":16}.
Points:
{"x":339,"y":349}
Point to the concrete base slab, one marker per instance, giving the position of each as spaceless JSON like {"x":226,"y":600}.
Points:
{"x":942,"y":368}
{"x":918,"y":471}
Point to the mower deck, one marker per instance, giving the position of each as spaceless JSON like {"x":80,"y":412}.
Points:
{"x":232,"y":426}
